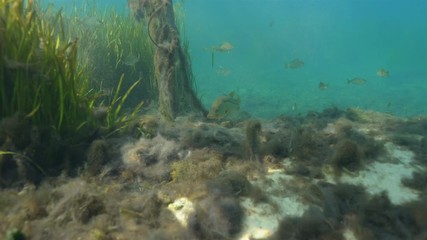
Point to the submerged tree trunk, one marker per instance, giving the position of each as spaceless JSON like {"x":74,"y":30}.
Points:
{"x":172,"y":69}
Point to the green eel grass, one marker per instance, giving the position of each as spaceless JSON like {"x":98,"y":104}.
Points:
{"x":56,"y":68}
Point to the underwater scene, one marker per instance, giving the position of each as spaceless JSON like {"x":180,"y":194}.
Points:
{"x":213,"y":119}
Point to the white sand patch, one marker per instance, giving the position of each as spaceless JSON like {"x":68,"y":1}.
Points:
{"x":380,"y":176}
{"x":262,"y":220}
{"x":183,"y":209}
{"x":259,"y":222}
{"x":348,"y":234}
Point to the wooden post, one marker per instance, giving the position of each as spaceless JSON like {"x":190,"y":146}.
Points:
{"x":172,"y":70}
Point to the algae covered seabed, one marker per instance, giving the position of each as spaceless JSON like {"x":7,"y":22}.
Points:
{"x":331,"y":175}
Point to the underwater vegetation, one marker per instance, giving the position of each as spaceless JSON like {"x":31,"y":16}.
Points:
{"x":199,"y":180}
{"x":347,"y":156}
{"x":114,"y":46}
{"x":218,"y":218}
{"x":53,"y":99}
{"x":349,"y":206}
{"x":97,"y":156}
{"x":253,"y":133}
{"x":40,"y":76}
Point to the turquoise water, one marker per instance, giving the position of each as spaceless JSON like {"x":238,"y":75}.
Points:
{"x":337,"y":40}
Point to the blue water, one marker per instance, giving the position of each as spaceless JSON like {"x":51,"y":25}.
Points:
{"x":337,"y":40}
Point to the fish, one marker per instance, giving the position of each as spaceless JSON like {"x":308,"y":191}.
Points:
{"x":323,"y":86}
{"x":294,"y":64}
{"x":224,"y":106}
{"x":222,"y":71}
{"x":225,"y":47}
{"x":356,"y":81}
{"x":13,"y":64}
{"x":91,"y":22}
{"x":382,"y":72}
{"x":131,"y":59}
{"x":294,"y":107}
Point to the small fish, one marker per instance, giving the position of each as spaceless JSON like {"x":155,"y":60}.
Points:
{"x":222,"y":71}
{"x":323,"y":86}
{"x":383,"y":73}
{"x":91,"y":22}
{"x":131,"y":59}
{"x":106,"y":92}
{"x":225,"y":47}
{"x":294,"y":107}
{"x":13,"y":64}
{"x":224,"y":106}
{"x":294,"y":64}
{"x":357,"y":81}
{"x":100,"y":113}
